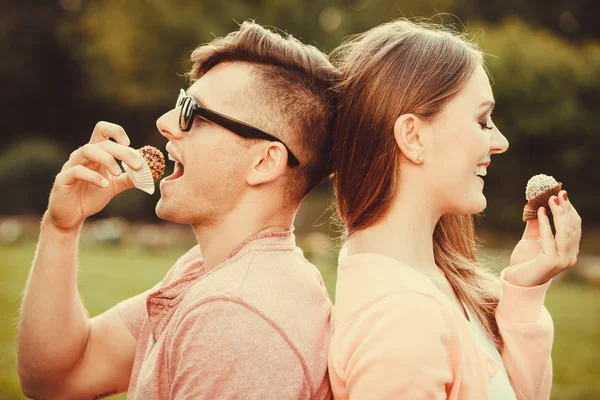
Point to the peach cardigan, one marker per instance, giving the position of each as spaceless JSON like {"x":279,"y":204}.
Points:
{"x":397,"y":336}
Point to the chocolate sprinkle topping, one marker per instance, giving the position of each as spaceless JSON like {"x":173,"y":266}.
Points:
{"x":155,"y":159}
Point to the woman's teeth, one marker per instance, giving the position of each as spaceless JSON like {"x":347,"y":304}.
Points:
{"x":481,"y":171}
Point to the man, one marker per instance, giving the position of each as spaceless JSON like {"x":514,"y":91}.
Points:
{"x":250,"y":317}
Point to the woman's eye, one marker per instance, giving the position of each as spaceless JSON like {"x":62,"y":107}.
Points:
{"x":485,"y":126}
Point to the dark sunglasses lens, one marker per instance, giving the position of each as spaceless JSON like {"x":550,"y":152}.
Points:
{"x":185,"y":114}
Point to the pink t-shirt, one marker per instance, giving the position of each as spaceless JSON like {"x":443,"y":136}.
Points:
{"x":257,"y":326}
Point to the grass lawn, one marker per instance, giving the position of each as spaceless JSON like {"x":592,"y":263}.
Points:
{"x":108,"y":275}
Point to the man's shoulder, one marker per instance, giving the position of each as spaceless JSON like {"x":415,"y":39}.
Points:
{"x":252,"y":266}
{"x":272,"y":284}
{"x":286,"y":265}
{"x":188,"y":261}
{"x":266,"y":278}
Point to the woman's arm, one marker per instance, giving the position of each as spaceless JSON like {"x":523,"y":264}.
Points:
{"x":528,"y":332}
{"x":524,"y":323}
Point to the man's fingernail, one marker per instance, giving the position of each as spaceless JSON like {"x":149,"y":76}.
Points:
{"x":565,"y":196}
{"x":556,"y":201}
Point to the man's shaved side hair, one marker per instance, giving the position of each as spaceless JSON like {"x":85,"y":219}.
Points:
{"x":291,"y":97}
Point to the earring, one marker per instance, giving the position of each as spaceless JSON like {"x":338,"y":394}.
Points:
{"x":420,"y":157}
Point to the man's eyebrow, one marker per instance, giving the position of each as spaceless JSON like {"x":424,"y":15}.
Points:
{"x":198,"y":100}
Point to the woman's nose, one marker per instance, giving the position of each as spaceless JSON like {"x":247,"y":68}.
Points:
{"x":499,"y":143}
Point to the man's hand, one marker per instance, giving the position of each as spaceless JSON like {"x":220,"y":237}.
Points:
{"x":540,"y":255}
{"x":61,"y":353}
{"x":91,"y":177}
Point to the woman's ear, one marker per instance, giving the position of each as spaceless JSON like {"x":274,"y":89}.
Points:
{"x":268,"y":164}
{"x":408,"y":132}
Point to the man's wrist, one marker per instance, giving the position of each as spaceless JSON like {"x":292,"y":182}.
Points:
{"x":47,"y":226}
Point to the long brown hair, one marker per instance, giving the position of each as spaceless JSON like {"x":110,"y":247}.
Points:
{"x":397,"y":68}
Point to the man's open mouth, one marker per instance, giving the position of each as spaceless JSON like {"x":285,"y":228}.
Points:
{"x":177,"y":171}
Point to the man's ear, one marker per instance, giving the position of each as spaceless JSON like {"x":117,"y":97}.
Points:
{"x":268,"y":164}
{"x":409,"y":134}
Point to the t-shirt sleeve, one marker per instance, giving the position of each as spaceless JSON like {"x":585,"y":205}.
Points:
{"x":396,"y":348}
{"x":226,"y":349}
{"x":133,"y":311}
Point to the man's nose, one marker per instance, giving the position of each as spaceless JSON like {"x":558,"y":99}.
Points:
{"x":168,"y":125}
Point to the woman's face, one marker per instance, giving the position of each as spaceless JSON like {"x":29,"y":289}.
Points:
{"x":458,"y":156}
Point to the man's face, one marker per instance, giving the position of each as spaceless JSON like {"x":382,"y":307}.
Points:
{"x":210,"y":172}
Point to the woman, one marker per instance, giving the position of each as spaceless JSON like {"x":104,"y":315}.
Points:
{"x":416,"y":316}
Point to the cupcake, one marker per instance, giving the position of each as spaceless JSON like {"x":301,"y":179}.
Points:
{"x":538,"y":191}
{"x":152,"y":169}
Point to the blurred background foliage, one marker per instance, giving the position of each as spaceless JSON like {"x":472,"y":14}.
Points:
{"x":67,"y":64}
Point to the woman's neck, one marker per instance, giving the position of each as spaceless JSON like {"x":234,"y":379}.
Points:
{"x":405,"y":234}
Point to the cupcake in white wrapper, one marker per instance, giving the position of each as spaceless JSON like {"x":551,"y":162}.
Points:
{"x":153,"y":168}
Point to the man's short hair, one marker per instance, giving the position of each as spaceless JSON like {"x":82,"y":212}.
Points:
{"x":293,"y":95}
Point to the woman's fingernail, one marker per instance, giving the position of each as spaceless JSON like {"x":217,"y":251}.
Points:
{"x":544,"y":211}
{"x":565,"y":196}
{"x":556,"y":201}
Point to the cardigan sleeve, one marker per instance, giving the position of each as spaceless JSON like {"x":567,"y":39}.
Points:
{"x":528,"y":331}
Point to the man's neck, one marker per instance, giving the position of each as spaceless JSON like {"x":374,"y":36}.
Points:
{"x":220,"y":239}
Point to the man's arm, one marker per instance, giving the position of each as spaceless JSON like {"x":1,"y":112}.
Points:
{"x":61,"y":353}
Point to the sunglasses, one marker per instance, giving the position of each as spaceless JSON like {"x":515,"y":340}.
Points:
{"x":190,"y":109}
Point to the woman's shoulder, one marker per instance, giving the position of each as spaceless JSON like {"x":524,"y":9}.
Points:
{"x":380,"y":268}
{"x":406,"y":322}
{"x":402,"y":309}
{"x":367,"y":282}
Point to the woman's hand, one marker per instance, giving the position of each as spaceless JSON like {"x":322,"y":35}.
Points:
{"x":91,"y":177}
{"x":540,"y":255}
